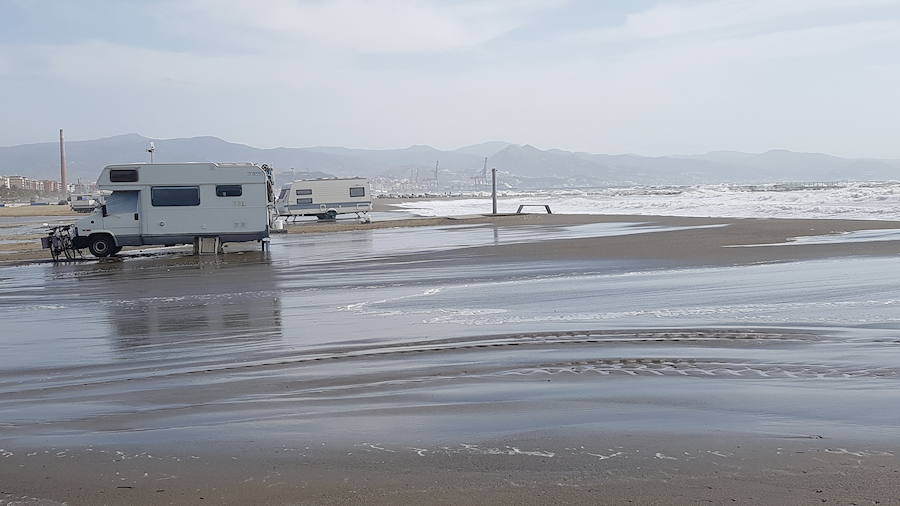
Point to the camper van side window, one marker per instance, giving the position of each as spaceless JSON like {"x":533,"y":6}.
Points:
{"x":163,"y":196}
{"x":229,"y":190}
{"x":304,"y":192}
{"x":357,"y":191}
{"x":304,"y":201}
{"x":123,"y":175}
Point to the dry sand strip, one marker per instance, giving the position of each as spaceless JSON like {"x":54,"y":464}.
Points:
{"x":705,"y":246}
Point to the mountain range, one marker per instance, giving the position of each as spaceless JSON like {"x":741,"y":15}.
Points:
{"x":521,"y":165}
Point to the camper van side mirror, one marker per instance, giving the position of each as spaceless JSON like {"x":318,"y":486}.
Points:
{"x":103,"y":210}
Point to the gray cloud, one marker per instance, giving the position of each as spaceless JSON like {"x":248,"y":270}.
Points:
{"x":670,"y":77}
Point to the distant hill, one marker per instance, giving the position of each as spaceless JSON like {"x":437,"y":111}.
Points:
{"x":522,"y":165}
{"x":484,"y":149}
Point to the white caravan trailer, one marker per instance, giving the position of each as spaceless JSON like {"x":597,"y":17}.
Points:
{"x":83,"y":202}
{"x":176,"y":203}
{"x":325,"y":198}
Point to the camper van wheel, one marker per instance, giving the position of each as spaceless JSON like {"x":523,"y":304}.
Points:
{"x":331,"y":214}
{"x":101,"y":245}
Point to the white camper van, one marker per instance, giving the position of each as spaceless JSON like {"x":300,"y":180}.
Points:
{"x":176,"y":203}
{"x":325,"y":198}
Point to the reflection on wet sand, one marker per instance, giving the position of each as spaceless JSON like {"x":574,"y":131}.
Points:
{"x":173,"y":302}
{"x":206,"y":310}
{"x":170,"y":321}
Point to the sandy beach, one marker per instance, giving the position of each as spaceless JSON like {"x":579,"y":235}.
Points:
{"x":48,"y":210}
{"x":478,"y":360}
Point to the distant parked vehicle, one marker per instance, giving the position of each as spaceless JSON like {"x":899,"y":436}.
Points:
{"x":177,"y":203}
{"x":83,"y":202}
{"x":325,"y":198}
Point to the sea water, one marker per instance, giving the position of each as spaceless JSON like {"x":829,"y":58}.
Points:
{"x":872,"y":200}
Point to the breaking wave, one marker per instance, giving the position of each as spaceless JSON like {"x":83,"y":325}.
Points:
{"x":874,"y":200}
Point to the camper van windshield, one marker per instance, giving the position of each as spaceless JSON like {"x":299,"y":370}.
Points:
{"x":175,"y":196}
{"x":119,"y":202}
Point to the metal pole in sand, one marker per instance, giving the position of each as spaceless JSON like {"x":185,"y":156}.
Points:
{"x":63,"y":182}
{"x":494,"y":191}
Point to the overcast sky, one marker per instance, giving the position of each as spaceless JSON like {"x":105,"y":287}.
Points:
{"x":647,"y":77}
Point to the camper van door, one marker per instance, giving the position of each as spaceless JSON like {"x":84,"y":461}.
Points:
{"x":122,"y":217}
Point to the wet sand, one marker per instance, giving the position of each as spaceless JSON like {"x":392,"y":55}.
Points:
{"x":523,"y":359}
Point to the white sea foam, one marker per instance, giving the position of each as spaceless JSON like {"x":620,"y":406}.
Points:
{"x":851,"y":200}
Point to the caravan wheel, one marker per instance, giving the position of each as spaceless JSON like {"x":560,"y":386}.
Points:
{"x":101,"y":246}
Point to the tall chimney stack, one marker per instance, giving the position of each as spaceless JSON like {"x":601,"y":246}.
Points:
{"x":62,"y":164}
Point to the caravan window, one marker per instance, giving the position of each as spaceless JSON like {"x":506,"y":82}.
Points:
{"x":304,"y":192}
{"x":123,"y":175}
{"x":163,"y":196}
{"x":304,"y":201}
{"x":229,"y":190}
{"x":357,"y":191}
